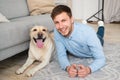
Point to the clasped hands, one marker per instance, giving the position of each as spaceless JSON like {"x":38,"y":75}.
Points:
{"x":78,"y":70}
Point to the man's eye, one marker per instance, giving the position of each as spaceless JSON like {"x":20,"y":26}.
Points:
{"x":56,"y":22}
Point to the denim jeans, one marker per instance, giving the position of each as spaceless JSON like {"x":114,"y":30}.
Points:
{"x":100,"y":34}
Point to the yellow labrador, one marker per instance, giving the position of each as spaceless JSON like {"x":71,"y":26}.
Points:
{"x":41,"y":48}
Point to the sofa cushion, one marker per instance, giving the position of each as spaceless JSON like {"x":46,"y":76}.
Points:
{"x":3,"y":18}
{"x":17,"y":31}
{"x":13,"y":8}
{"x":40,"y":6}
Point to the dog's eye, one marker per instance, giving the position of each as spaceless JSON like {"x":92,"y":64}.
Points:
{"x":34,"y":29}
{"x":44,"y":29}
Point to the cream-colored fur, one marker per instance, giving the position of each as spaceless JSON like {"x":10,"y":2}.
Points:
{"x":42,"y":54}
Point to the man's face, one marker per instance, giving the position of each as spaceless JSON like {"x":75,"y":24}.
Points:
{"x":64,"y":24}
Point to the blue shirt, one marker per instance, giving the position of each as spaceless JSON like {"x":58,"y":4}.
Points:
{"x":82,"y":42}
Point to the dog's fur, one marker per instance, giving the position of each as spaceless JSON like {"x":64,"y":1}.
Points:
{"x":42,"y":52}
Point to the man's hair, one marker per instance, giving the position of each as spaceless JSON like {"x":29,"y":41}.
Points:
{"x":59,"y":9}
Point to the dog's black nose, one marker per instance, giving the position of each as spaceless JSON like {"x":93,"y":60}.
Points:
{"x":40,"y":35}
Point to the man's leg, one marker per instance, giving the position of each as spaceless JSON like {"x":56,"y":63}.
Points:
{"x":100,"y":32}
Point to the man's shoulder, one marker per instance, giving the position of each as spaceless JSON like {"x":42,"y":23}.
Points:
{"x":83,"y":29}
{"x":57,"y":35}
{"x":81,"y":26}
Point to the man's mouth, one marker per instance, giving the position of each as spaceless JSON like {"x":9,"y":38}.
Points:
{"x":63,"y":30}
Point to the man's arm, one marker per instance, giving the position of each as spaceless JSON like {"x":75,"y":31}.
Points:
{"x":61,"y":51}
{"x":96,"y":51}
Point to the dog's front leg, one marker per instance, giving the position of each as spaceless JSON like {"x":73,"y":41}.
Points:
{"x":37,"y":68}
{"x":27,"y":64}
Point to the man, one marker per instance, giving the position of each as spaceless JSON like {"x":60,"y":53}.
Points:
{"x":79,"y":40}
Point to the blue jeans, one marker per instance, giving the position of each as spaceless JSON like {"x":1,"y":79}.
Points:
{"x":100,"y":34}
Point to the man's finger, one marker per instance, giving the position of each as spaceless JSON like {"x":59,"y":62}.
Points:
{"x":81,"y":66}
{"x":74,"y":66}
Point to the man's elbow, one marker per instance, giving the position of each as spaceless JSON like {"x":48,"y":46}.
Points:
{"x":104,"y":61}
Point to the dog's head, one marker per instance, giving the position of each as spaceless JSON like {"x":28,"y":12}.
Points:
{"x":38,"y":35}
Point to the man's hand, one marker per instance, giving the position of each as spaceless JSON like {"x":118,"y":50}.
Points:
{"x":83,"y":71}
{"x":78,"y":70}
{"x":72,"y":70}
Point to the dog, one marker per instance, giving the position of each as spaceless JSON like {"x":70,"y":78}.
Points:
{"x":41,"y":48}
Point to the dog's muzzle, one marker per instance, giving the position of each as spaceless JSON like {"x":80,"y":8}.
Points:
{"x":40,"y":40}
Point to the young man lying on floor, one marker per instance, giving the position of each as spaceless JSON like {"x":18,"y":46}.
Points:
{"x":79,"y":40}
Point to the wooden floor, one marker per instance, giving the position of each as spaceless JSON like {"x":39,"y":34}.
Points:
{"x":112,"y":32}
{"x":9,"y":66}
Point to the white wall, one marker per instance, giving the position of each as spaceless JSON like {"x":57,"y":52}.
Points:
{"x":83,"y":9}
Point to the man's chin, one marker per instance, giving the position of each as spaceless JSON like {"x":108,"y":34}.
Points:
{"x":65,"y":35}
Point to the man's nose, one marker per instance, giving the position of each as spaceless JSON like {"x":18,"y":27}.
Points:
{"x":60,"y":25}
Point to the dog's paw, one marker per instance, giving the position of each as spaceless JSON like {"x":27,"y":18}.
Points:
{"x":30,"y":73}
{"x":19,"y":71}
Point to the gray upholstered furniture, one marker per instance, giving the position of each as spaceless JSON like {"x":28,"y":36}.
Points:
{"x":14,"y":35}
